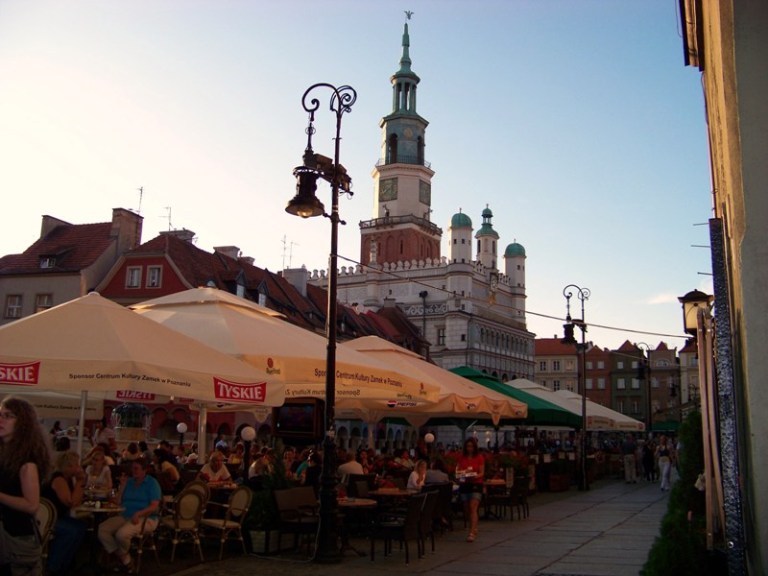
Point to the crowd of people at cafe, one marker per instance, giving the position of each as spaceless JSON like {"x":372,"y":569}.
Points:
{"x":137,"y":475}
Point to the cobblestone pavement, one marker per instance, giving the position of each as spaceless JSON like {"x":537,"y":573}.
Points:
{"x":606,"y":531}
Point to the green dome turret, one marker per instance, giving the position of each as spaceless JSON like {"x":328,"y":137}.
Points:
{"x":461,"y":220}
{"x":487,"y":228}
{"x":514,"y":250}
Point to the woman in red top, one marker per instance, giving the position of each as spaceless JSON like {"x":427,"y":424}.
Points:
{"x":469,"y":472}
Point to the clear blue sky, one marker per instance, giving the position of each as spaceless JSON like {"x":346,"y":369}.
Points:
{"x":575,"y":121}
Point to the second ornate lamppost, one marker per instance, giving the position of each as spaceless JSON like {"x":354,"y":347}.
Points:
{"x":306,"y":204}
{"x":568,"y":338}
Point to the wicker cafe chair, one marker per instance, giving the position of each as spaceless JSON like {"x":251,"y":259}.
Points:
{"x":144,"y":540}
{"x":46,"y":517}
{"x":232,"y":523}
{"x":184,"y":523}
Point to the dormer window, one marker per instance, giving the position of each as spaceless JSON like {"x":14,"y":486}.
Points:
{"x":47,"y":262}
{"x":154,"y":276}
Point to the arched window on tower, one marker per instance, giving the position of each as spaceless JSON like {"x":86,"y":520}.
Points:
{"x":478,"y":246}
{"x":401,"y":247}
{"x":420,"y":151}
{"x":392,"y":149}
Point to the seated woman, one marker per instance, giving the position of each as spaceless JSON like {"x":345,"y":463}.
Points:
{"x":65,"y":490}
{"x":98,"y":475}
{"x":214,"y":470}
{"x":140,"y":496}
{"x":236,"y":457}
{"x":167,"y":473}
{"x":418,"y":477}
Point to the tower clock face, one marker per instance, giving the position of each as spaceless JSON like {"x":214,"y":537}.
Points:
{"x":388,"y":190}
{"x":425,"y":193}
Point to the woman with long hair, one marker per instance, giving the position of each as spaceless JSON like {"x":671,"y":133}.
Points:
{"x":470,"y":470}
{"x":24,"y":461}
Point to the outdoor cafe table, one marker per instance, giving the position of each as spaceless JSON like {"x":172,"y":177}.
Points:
{"x":359,"y":511}
{"x":391,"y":492}
{"x":98,"y":511}
{"x":492,"y":486}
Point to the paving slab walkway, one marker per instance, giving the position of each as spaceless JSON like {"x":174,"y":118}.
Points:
{"x":606,"y":531}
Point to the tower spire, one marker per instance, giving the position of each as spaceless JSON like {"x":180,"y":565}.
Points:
{"x":405,"y":59}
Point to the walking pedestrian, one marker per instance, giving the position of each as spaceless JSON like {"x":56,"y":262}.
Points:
{"x":628,"y":449}
{"x":665,"y":454}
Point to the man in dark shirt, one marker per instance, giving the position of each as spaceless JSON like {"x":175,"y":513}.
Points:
{"x":628,"y":449}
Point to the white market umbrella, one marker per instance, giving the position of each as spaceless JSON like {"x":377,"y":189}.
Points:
{"x":458,"y":397}
{"x":293,"y":355}
{"x":618,"y":420}
{"x":92,"y":344}
{"x":596,"y":419}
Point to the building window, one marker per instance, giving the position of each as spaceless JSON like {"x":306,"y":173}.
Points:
{"x":556,"y":365}
{"x":654,"y":383}
{"x":555,"y":385}
{"x":601,"y":383}
{"x":441,"y":336}
{"x":600,"y":365}
{"x":463,"y":336}
{"x":588,"y":382}
{"x":569,"y":386}
{"x":542,"y":365}
{"x":43,"y":302}
{"x":13,"y":304}
{"x":620,"y":365}
{"x":621,"y":384}
{"x":154,"y":276}
{"x":635,"y":384}
{"x":621,"y":406}
{"x":48,"y":262}
{"x":589,"y":365}
{"x":133,"y":277}
{"x":634,"y":364}
{"x":634,"y":407}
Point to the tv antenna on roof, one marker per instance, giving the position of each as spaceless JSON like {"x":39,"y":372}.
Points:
{"x":168,"y":216}
{"x":141,"y":197}
{"x":288,"y":247}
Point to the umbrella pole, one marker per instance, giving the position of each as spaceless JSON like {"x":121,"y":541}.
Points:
{"x":202,"y":424}
{"x":81,"y":422}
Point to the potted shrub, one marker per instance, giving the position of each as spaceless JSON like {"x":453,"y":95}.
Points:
{"x":559,"y":477}
{"x":260,"y":525}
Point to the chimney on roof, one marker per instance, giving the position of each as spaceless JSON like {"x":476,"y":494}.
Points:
{"x":49,"y":223}
{"x":183,"y":234}
{"x":247,"y":260}
{"x":126,"y":229}
{"x":298,"y":278}
{"x":230,"y":251}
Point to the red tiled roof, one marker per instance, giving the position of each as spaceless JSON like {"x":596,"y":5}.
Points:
{"x":628,"y":347}
{"x":73,"y":247}
{"x":198,"y":267}
{"x":552,"y":347}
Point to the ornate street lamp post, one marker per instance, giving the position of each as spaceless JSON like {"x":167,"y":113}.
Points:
{"x":248,"y":435}
{"x":181,"y":428}
{"x":306,"y":204}
{"x":645,"y":373}
{"x":583,"y":294}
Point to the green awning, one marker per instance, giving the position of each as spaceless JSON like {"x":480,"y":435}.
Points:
{"x":540,"y":412}
{"x":667,"y":426}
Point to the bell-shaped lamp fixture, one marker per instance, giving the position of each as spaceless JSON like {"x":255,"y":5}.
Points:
{"x":568,"y":337}
{"x":691,"y":302}
{"x":305,"y":203}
